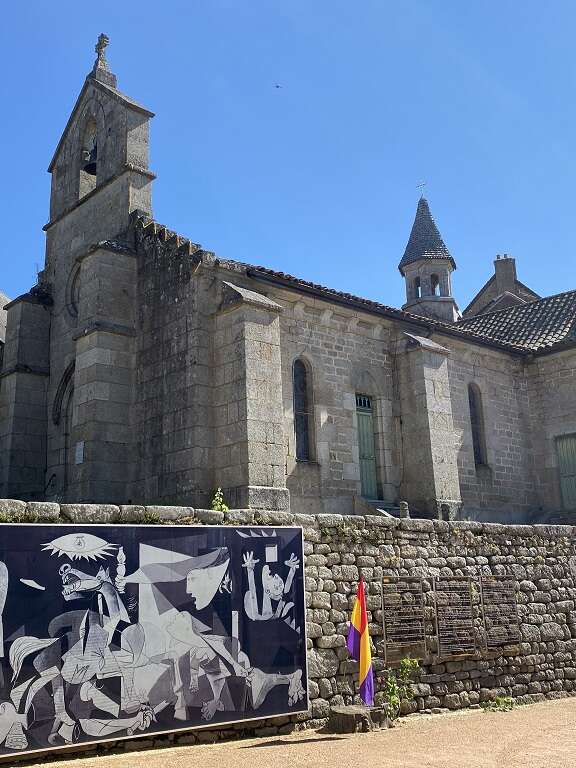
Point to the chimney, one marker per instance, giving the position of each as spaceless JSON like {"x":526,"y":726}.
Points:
{"x":505,"y":268}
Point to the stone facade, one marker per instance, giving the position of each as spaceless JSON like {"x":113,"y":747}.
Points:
{"x":142,"y":369}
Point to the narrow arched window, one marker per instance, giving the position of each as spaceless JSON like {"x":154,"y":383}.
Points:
{"x":477,"y":424}
{"x":88,"y":159}
{"x":417,"y":288}
{"x":435,"y":285}
{"x":303,"y":424}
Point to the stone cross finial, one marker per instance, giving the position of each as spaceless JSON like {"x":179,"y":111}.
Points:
{"x":100,"y":47}
{"x":101,"y":70}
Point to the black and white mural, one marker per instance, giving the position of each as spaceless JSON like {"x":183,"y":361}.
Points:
{"x":117,"y":631}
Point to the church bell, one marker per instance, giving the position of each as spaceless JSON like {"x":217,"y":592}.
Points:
{"x":90,"y":157}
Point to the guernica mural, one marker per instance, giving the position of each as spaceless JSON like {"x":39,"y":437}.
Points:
{"x":117,"y":631}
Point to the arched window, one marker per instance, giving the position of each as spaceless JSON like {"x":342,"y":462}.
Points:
{"x":417,"y":288}
{"x":435,"y":285}
{"x":88,"y":158}
{"x":303,"y":422}
{"x":477,"y":424}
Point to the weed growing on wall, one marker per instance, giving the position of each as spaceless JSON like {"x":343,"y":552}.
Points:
{"x":499,"y":704}
{"x":397,"y":686}
{"x":218,"y":503}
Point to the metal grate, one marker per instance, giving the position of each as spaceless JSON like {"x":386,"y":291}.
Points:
{"x":403,"y":618}
{"x":454,"y":615}
{"x":499,"y":611}
{"x":364,"y":402}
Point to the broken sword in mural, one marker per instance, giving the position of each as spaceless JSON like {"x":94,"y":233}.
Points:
{"x":108,"y":632}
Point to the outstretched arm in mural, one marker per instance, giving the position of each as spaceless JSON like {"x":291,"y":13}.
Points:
{"x":251,"y":598}
{"x":293,"y":564}
{"x":3,"y":592}
{"x":273,"y":589}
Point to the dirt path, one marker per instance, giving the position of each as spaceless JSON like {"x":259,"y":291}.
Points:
{"x":536,"y":736}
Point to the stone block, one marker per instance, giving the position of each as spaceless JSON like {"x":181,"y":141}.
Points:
{"x":89,"y":513}
{"x":43,"y":511}
{"x":168,"y":513}
{"x":12,"y":508}
{"x":131,"y":513}
{"x":322,"y":663}
{"x":356,"y":719}
{"x":209,"y":516}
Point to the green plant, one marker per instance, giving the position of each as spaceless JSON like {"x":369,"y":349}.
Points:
{"x":218,"y":503}
{"x":499,"y":704}
{"x":151,"y":518}
{"x":397,"y":686}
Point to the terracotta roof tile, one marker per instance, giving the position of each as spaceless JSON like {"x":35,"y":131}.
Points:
{"x":536,"y":325}
{"x":475,"y":329}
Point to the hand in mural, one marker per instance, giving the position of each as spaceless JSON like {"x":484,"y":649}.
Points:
{"x":142,"y":720}
{"x":293,"y":563}
{"x":209,"y":708}
{"x":250,"y":561}
{"x":296,"y":690}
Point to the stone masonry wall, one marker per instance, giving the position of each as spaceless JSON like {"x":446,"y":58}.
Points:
{"x":506,"y":484}
{"x":341,"y":549}
{"x":551,"y":391}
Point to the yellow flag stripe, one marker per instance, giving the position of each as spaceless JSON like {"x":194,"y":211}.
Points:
{"x":356,"y":618}
{"x":365,"y":655}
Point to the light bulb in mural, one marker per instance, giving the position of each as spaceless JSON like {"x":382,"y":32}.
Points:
{"x":78,"y":546}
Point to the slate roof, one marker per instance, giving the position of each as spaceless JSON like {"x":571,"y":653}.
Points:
{"x":476,"y":329}
{"x":425,"y":241}
{"x":537,"y":325}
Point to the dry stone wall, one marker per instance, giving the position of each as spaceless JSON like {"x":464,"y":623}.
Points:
{"x":340,"y":549}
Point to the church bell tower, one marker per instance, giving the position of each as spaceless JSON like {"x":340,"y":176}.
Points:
{"x":427,"y":267}
{"x":66,"y":402}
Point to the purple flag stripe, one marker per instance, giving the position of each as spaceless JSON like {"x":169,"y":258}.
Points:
{"x":353,"y":642}
{"x":367,"y":689}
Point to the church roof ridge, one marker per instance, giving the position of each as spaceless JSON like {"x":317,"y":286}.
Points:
{"x":539,"y":325}
{"x":425,"y":241}
{"x":152,"y":228}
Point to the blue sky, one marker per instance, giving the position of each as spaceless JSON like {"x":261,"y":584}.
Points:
{"x":319,"y":177}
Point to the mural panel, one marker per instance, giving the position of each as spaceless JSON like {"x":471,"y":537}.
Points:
{"x":110,"y":632}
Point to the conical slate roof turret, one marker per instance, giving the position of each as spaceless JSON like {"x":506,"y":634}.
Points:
{"x":425,"y":242}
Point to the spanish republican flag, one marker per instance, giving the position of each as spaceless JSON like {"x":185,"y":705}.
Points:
{"x":359,"y":646}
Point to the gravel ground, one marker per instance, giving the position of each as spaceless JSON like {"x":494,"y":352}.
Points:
{"x":535,"y":736}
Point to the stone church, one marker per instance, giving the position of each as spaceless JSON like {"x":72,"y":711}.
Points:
{"x":142,"y":368}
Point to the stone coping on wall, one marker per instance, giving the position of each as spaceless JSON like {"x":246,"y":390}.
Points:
{"x":16,"y":511}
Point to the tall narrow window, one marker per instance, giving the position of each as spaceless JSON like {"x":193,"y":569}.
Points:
{"x":566,"y":449}
{"x":477,"y":424}
{"x":303,"y":428}
{"x":435,"y":285}
{"x":417,"y":288}
{"x":366,"y":447}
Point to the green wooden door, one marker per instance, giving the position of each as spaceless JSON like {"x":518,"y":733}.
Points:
{"x":566,"y":447}
{"x":366,"y":445}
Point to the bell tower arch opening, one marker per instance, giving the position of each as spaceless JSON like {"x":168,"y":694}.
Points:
{"x":88,"y":158}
